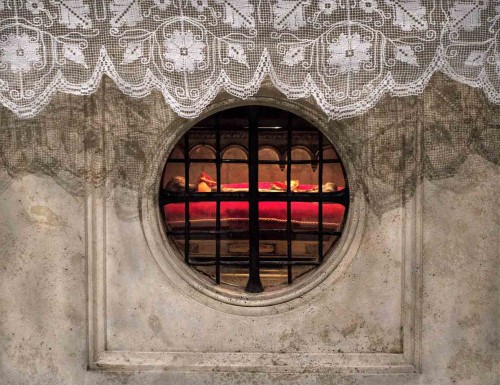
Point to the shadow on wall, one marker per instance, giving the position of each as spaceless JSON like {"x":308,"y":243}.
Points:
{"x":456,"y":120}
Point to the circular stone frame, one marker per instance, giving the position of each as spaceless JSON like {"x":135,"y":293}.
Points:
{"x":222,"y":298}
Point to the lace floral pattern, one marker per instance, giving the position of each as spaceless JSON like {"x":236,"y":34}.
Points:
{"x":349,"y":52}
{"x":183,"y":51}
{"x":344,"y":53}
{"x":19,"y":52}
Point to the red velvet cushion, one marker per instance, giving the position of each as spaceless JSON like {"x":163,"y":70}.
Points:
{"x":267,"y":185}
{"x":272,"y":214}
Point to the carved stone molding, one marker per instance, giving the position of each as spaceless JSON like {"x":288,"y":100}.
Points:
{"x":100,"y":357}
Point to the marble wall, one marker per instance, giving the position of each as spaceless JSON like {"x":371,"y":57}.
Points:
{"x":414,"y":301}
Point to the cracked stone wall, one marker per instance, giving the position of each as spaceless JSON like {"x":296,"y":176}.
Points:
{"x":77,"y":143}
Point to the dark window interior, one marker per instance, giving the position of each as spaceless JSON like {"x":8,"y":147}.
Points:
{"x":254,"y":197}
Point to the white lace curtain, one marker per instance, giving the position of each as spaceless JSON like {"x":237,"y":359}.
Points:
{"x":345,"y":53}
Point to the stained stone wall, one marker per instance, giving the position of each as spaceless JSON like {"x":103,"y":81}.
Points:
{"x":441,"y":149}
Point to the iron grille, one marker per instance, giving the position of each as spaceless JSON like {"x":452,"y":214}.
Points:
{"x":254,"y":261}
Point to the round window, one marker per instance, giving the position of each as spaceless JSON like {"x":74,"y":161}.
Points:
{"x":254,"y":198}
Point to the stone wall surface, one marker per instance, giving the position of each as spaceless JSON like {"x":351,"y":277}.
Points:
{"x":49,"y":164}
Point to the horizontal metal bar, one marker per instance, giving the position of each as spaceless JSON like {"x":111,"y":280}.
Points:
{"x":263,"y":263}
{"x":243,"y":236}
{"x":240,"y":161}
{"x":208,"y":232}
{"x":261,"y":128}
{"x":286,"y":263}
{"x":244,"y":258}
{"x":244,"y":161}
{"x":263,"y":231}
{"x":214,"y":161}
{"x":284,"y":162}
{"x":333,"y":197}
{"x":168,"y":197}
{"x":283,"y":232}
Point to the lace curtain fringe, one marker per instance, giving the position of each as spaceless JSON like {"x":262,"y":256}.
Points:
{"x":345,"y":53}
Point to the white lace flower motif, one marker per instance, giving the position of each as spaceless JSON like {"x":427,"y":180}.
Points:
{"x":19,"y":52}
{"x":349,"y":52}
{"x":184,"y":51}
{"x":199,"y":5}
{"x":368,"y":6}
{"x":35,"y":6}
{"x":327,"y":6}
{"x":162,"y":4}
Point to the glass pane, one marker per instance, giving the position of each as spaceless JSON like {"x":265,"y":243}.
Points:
{"x":273,"y":276}
{"x":173,"y":178}
{"x":272,"y":178}
{"x":234,"y":144}
{"x":178,"y":241}
{"x":202,"y":151}
{"x":234,"y":119}
{"x":305,"y":216}
{"x":234,"y":275}
{"x":202,"y":215}
{"x":174,"y":216}
{"x":333,"y":177}
{"x":272,"y":215}
{"x":328,"y":151}
{"x":208,"y":271}
{"x":273,"y":243}
{"x":303,"y":153}
{"x":201,"y":250}
{"x":328,"y":243}
{"x":273,"y":257}
{"x":269,"y":153}
{"x":234,"y":177}
{"x":305,"y":144}
{"x":299,"y":271}
{"x":333,"y":216}
{"x":203,"y":176}
{"x":236,"y":249}
{"x":234,"y":216}
{"x":207,"y":124}
{"x":273,"y":118}
{"x":272,"y":145}
{"x":235,"y":245}
{"x":177,"y":152}
{"x":304,"y":178}
{"x":305,"y":249}
{"x":301,"y":124}
{"x":238,"y":152}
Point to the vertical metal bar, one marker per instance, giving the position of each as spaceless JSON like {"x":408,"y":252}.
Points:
{"x":346,"y":195}
{"x":218,"y":203}
{"x":187,"y":224}
{"x":254,"y":284}
{"x":288,"y":201}
{"x":320,"y":203}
